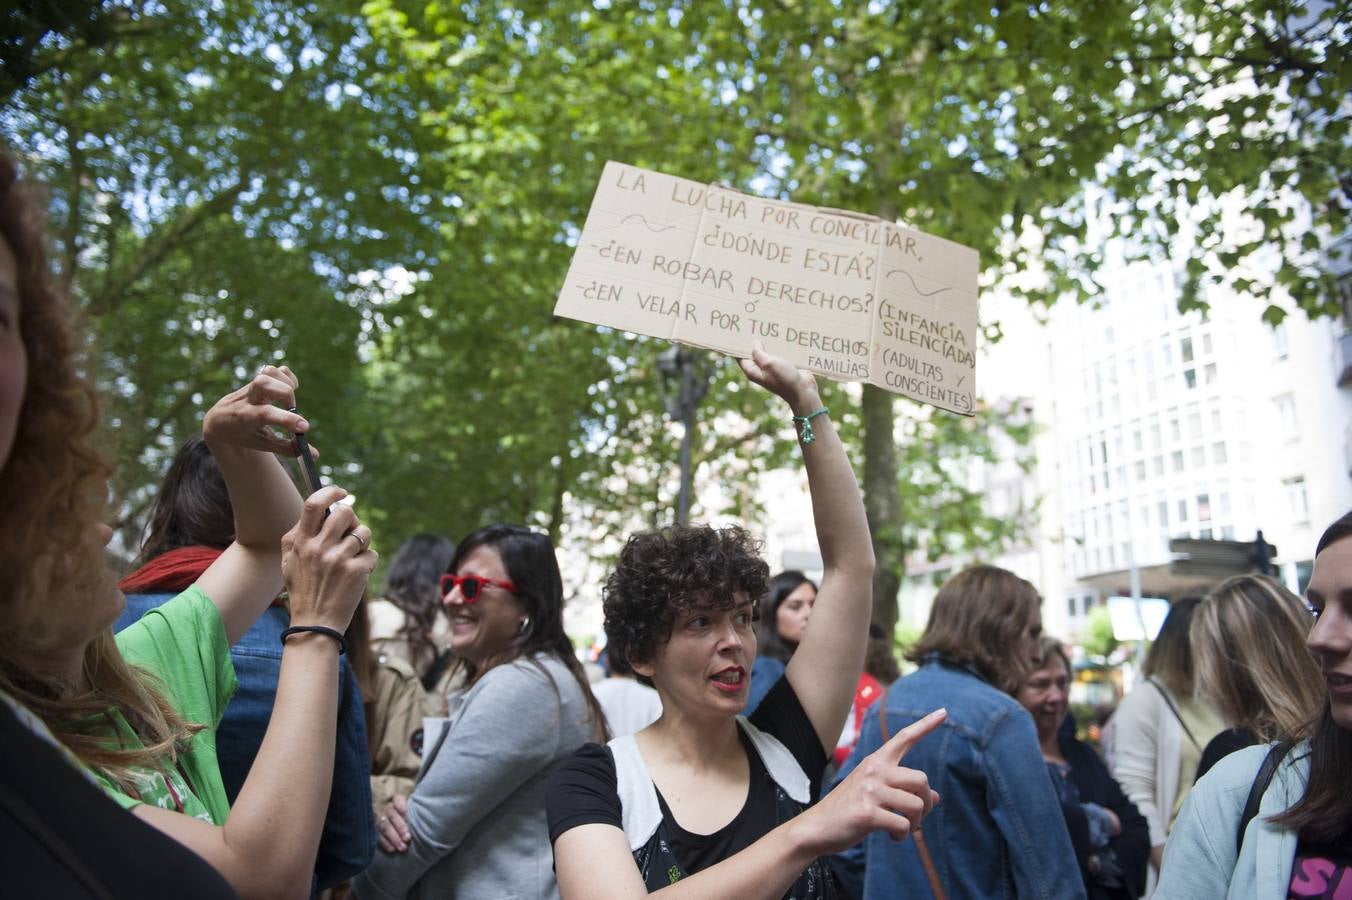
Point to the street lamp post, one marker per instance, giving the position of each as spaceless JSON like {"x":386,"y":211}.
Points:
{"x":686,"y":371}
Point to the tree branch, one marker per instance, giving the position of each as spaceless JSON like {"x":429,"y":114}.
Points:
{"x":160,"y":243}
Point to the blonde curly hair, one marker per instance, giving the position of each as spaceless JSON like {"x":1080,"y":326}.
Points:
{"x":56,"y":479}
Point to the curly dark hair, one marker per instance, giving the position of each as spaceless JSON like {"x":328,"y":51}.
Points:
{"x":663,"y":573}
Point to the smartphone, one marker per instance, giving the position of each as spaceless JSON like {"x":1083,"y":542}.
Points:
{"x":307,"y":462}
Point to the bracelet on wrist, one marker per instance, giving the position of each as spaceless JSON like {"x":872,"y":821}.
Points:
{"x":317,"y":629}
{"x":804,"y":423}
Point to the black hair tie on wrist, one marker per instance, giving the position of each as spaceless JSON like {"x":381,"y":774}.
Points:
{"x":317,"y":629}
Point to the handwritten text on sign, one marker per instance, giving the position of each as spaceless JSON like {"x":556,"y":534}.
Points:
{"x":847,"y":296}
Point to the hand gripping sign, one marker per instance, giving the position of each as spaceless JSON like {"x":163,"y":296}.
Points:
{"x":847,"y":296}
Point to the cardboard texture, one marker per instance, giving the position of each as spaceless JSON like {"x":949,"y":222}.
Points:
{"x":847,"y":296}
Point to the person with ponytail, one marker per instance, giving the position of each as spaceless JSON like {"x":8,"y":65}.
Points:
{"x":1274,"y":820}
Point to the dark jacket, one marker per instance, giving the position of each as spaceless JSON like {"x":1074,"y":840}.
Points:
{"x":1096,"y":785}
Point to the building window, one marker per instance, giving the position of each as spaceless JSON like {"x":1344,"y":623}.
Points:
{"x":1182,"y":510}
{"x":1185,"y":348}
{"x":1198,"y":457}
{"x":1177,"y":458}
{"x":1297,"y":500}
{"x":1209,"y":373}
{"x":1190,"y":378}
{"x":1281,"y":341}
{"x":1286,"y":414}
{"x":1218,"y":453}
{"x":1206,"y":343}
{"x":1204,"y":507}
{"x":1164,"y":514}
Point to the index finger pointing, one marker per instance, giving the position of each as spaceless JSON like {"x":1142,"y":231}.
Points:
{"x":903,"y":740}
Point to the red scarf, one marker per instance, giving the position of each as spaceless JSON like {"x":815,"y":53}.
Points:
{"x":172,"y":571}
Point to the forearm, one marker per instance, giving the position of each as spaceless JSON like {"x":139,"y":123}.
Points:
{"x":264,"y":498}
{"x":276,"y":822}
{"x":837,"y":504}
{"x":825,"y":669}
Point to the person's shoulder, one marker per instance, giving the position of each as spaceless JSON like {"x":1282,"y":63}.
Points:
{"x":398,"y":667}
{"x":1234,"y":773}
{"x":590,"y":768}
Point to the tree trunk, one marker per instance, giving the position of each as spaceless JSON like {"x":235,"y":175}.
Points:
{"x":882,"y":503}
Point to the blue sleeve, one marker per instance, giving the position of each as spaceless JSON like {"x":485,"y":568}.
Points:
{"x":348,"y":842}
{"x":765,"y":671}
{"x":1023,"y":803}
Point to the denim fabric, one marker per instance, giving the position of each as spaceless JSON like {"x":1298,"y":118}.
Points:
{"x":998,"y":829}
{"x":349,"y":838}
{"x":765,"y":671}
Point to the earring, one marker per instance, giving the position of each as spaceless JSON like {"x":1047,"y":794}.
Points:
{"x":525,"y":624}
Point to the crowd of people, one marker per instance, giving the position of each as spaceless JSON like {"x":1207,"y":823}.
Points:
{"x":242,"y":716}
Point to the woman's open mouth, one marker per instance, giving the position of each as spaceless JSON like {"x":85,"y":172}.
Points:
{"x":731,"y":680}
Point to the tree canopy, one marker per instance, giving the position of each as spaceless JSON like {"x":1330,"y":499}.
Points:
{"x":385,"y":196}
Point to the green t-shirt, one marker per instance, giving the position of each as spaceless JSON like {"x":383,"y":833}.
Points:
{"x":183,"y":644}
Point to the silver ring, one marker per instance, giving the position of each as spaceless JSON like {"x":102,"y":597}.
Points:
{"x":360,"y":542}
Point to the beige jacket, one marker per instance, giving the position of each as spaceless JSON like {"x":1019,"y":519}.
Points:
{"x":395,"y":728}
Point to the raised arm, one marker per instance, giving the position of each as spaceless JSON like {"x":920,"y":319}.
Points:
{"x":239,"y":431}
{"x":825,"y":668}
{"x":267,"y":846}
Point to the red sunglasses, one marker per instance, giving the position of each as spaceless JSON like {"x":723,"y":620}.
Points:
{"x":471,"y":586}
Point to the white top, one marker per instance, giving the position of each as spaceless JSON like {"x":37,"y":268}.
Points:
{"x":629,"y":706}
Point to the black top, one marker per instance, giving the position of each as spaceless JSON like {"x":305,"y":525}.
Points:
{"x":1221,"y":746}
{"x":582,"y":791}
{"x":1320,"y":870}
{"x":1130,"y":850}
{"x":65,"y":838}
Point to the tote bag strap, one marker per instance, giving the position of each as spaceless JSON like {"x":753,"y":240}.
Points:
{"x":917,"y":833}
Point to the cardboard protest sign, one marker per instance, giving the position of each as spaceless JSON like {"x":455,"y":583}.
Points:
{"x":843,"y":295}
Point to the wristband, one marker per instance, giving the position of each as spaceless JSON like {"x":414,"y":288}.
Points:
{"x":317,"y":629}
{"x":804,"y":424}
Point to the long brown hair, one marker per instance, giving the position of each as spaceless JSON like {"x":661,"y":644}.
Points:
{"x":980,"y":618}
{"x":56,"y":477}
{"x":1251,"y":662}
{"x":1323,"y":815}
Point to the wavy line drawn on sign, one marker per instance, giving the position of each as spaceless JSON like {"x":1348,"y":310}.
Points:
{"x":655,"y":229}
{"x":916,"y":287}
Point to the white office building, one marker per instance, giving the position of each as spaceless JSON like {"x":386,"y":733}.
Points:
{"x":1157,"y":424}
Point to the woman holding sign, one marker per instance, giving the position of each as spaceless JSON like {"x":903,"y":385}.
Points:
{"x":703,"y":800}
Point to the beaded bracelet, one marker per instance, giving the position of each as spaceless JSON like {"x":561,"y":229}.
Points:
{"x":804,"y":424}
{"x":317,"y":629}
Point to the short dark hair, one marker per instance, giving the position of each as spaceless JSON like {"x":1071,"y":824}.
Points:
{"x":769,"y":642}
{"x":665,"y":572}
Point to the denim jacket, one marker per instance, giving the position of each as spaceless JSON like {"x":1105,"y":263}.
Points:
{"x":349,"y":839}
{"x":998,"y":829}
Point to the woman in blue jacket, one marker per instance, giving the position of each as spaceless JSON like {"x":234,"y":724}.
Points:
{"x":999,"y":831}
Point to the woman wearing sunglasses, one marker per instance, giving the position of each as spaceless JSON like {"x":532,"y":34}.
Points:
{"x":473,"y":825}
